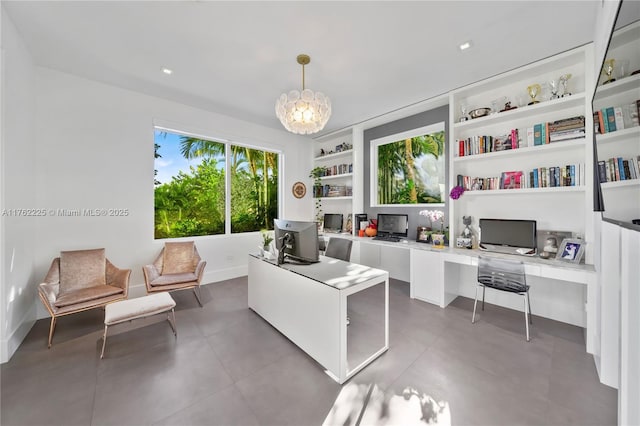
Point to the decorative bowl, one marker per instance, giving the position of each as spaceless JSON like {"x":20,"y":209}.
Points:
{"x":479,"y":112}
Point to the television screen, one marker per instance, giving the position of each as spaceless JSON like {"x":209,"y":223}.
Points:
{"x":393,"y":224}
{"x":296,"y":240}
{"x":511,"y":233}
{"x":333,"y":222}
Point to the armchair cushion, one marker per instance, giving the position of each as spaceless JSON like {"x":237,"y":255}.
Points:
{"x":86,"y":294}
{"x":178,"y":258}
{"x":81,"y":269}
{"x":170,"y":279}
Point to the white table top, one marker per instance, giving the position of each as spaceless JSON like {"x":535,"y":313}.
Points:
{"x":332,"y":272}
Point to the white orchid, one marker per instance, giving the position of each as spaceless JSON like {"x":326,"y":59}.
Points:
{"x":433,"y":216}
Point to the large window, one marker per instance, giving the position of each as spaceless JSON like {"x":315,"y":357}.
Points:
{"x":409,"y":167}
{"x":207,"y":187}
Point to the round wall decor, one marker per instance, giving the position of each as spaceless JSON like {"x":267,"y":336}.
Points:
{"x":299,"y":190}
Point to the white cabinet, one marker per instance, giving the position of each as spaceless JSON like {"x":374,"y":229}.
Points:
{"x":335,"y":156}
{"x":556,"y":207}
{"x":393,"y":259}
{"x":427,"y":276}
{"x":620,"y":191}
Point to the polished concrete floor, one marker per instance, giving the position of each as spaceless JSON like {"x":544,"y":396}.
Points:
{"x":229,"y":367}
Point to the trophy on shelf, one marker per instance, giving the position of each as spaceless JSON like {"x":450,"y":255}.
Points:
{"x":533,"y":91}
{"x":463,"y":110}
{"x":607,"y":69}
{"x":564,"y":81}
{"x":554,"y":87}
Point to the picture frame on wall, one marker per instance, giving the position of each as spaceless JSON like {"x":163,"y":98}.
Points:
{"x":571,"y":250}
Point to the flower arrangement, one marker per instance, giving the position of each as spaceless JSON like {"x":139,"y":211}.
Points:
{"x":434,"y":216}
{"x":456,"y":192}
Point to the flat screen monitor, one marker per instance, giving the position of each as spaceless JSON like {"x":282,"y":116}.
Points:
{"x":509,"y":233}
{"x":396,"y":225}
{"x":333,"y":222}
{"x":296,"y":240}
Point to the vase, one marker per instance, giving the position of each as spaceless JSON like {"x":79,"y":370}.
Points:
{"x":437,"y":240}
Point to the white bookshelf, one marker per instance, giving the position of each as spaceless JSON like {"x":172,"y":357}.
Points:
{"x":557,"y":208}
{"x":334,"y":155}
{"x":621,"y":198}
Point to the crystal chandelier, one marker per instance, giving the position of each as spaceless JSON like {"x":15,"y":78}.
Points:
{"x":303,"y":113}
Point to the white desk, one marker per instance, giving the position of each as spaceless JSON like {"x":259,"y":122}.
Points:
{"x":308,"y":304}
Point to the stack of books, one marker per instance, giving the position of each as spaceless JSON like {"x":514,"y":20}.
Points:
{"x":559,"y":130}
{"x":569,"y":128}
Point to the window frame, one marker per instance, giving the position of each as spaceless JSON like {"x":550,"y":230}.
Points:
{"x":227,"y":177}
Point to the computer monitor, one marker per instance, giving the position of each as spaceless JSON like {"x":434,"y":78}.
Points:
{"x":508,"y":233}
{"x":396,"y":225}
{"x":333,"y":222}
{"x":296,"y":240}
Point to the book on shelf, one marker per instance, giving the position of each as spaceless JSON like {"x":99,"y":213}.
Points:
{"x":611,"y":119}
{"x":619,"y":117}
{"x":618,"y":169}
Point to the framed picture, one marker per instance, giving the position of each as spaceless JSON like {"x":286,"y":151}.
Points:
{"x":571,"y":250}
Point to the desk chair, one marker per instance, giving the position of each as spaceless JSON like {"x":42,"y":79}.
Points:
{"x":339,"y":248}
{"x":503,"y":275}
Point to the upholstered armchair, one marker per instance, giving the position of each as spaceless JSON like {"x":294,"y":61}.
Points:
{"x":81,"y":280}
{"x":177,"y":267}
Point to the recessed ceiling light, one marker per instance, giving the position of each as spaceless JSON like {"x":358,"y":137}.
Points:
{"x":167,"y":71}
{"x":465,"y":45}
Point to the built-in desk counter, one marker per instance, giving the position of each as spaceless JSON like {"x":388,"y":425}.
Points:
{"x":561,"y":291}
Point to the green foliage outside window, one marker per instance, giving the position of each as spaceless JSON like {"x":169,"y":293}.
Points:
{"x":192,"y":202}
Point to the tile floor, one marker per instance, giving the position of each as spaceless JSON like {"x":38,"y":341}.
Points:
{"x":229,"y":367}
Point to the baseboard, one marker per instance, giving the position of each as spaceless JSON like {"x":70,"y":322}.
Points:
{"x":10,"y":344}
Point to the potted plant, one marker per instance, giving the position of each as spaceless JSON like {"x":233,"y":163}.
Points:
{"x":317,"y":173}
{"x":267,"y":238}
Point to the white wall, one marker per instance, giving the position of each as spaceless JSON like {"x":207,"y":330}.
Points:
{"x":95,"y":150}
{"x":17,"y":289}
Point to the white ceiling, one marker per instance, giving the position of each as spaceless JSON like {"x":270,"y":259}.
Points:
{"x":236,"y":58}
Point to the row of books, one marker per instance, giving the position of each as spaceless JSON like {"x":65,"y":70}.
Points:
{"x":484,"y":144}
{"x":542,"y":177}
{"x":539,"y":134}
{"x":610,"y":119}
{"x":338,"y":169}
{"x":332,"y":191}
{"x":617,"y":168}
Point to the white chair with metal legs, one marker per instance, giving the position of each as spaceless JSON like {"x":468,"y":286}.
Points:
{"x":503,"y":275}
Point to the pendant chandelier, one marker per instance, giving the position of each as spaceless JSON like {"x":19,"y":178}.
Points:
{"x":303,"y":113}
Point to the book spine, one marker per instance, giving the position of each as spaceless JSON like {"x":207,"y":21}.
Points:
{"x":621,"y":168}
{"x":545,"y":133}
{"x":514,"y":139}
{"x":536,"y":180}
{"x":625,"y":167}
{"x":605,"y":120}
{"x":573,"y":174}
{"x":619,"y":118}
{"x":530,"y":140}
{"x":607,"y":166}
{"x":616,"y":170}
{"x":611,"y":118}
{"x":460,"y":148}
{"x":601,"y":121}
{"x":602,"y":171}
{"x":537,"y":134}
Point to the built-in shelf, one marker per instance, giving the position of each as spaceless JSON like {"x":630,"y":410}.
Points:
{"x":630,"y":133}
{"x":334,"y":155}
{"x":619,"y":86}
{"x":349,"y":197}
{"x":556,"y":105}
{"x":554,"y":146}
{"x":524,"y":191}
{"x":343,"y":175}
{"x":620,"y":184}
